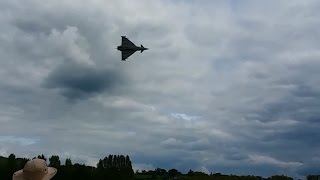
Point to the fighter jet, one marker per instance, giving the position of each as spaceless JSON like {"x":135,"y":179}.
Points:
{"x":127,"y":48}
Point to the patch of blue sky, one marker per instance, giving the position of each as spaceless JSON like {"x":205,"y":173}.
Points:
{"x":183,"y":116}
{"x":18,"y":140}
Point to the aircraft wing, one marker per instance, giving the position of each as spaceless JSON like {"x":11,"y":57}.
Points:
{"x":125,"y":54}
{"x":127,"y":42}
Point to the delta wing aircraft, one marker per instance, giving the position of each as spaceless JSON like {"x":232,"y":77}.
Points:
{"x":128,"y":48}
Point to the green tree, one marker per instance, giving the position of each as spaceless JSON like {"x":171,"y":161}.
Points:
{"x":160,"y":172}
{"x":68,"y":162}
{"x":68,"y":169}
{"x":54,"y":161}
{"x":190,"y":172}
{"x":173,"y":172}
{"x":11,"y":164}
{"x":278,"y":177}
{"x":313,"y":177}
{"x":42,"y":157}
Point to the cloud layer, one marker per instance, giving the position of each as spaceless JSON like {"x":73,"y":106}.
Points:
{"x":226,"y":86}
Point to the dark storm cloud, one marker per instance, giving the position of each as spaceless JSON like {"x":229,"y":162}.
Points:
{"x":311,"y":168}
{"x":32,"y":27}
{"x":77,"y":81}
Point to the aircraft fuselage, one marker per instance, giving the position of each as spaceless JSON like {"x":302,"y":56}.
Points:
{"x":128,"y":48}
{"x":125,"y":48}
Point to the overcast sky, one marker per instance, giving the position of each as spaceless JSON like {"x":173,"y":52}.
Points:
{"x":226,"y":86}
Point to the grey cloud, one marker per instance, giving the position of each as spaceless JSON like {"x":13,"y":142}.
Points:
{"x":199,"y":145}
{"x":248,"y":71}
{"x":78,"y":81}
{"x":311,"y":167}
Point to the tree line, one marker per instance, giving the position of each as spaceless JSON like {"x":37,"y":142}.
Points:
{"x":162,"y":174}
{"x":111,"y":167}
{"x":119,"y":167}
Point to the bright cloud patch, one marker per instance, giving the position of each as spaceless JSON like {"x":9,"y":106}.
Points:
{"x":17,"y":140}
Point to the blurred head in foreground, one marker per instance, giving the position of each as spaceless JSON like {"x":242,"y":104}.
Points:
{"x":35,"y":169}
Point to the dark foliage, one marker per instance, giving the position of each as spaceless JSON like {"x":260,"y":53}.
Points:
{"x":119,"y":167}
{"x":9,"y":165}
{"x":112,"y":167}
{"x":313,"y":177}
